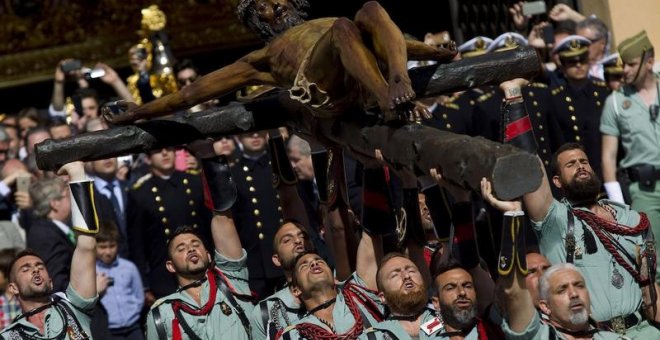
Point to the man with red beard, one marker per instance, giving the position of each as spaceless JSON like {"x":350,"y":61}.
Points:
{"x":62,"y":315}
{"x":611,"y":244}
{"x":212,"y":301}
{"x":402,"y":289}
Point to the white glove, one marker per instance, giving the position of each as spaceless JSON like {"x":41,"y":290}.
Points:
{"x":614,"y":192}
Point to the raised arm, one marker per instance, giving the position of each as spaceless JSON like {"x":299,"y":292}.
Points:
{"x":537,"y":203}
{"x":84,"y":221}
{"x":464,"y":247}
{"x":222,"y":189}
{"x":111,"y":78}
{"x":512,"y":267}
{"x":369,"y":253}
{"x":516,"y":298}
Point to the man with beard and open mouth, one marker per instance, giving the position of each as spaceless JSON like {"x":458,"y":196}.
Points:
{"x":324,"y":63}
{"x":403,"y":290}
{"x":611,"y":244}
{"x":61,"y":315}
{"x":213,"y":300}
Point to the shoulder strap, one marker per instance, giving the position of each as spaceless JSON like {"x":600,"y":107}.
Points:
{"x":158,"y":321}
{"x":263,"y":306}
{"x":570,"y":236}
{"x":222,"y":286}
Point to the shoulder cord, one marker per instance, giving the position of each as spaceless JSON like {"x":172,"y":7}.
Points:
{"x":278,"y":308}
{"x":70,"y":323}
{"x":312,"y":331}
{"x":353,"y":292}
{"x":217,"y":279}
{"x":598,"y":224}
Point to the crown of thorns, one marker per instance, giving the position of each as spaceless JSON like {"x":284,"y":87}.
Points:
{"x":245,"y":7}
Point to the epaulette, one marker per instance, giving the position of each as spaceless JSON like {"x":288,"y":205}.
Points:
{"x":158,"y":302}
{"x":599,"y":82}
{"x":484,"y":97}
{"x":539,"y":85}
{"x":141,"y":181}
{"x":618,"y":204}
{"x":288,"y":329}
{"x":193,"y":172}
{"x":557,"y":90}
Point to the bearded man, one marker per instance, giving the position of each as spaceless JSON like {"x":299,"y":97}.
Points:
{"x":611,"y":244}
{"x":63,"y":315}
{"x":403,"y":291}
{"x":213,"y":300}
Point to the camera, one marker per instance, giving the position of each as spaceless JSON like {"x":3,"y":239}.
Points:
{"x":93,"y":73}
{"x":533,"y":8}
{"x":71,"y":65}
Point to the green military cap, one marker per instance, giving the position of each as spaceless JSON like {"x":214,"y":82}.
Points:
{"x":634,"y":46}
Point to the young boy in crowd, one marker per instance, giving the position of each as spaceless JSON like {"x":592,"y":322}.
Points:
{"x":119,"y":285}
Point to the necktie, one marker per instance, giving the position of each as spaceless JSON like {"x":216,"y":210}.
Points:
{"x":71,"y":236}
{"x":116,"y":208}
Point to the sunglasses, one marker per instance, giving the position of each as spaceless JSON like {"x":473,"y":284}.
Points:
{"x":186,"y":81}
{"x":584,"y":59}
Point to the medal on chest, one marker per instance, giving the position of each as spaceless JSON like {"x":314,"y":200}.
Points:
{"x":617,"y":279}
{"x":225,"y":308}
{"x":432,"y":326}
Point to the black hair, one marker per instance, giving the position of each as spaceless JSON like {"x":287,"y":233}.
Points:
{"x":554,"y":163}
{"x":185,"y":64}
{"x":294,"y":275}
{"x":21,"y":254}
{"x":180,"y":231}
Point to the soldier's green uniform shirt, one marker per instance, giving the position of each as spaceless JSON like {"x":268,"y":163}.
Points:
{"x":392,"y":330}
{"x":217,"y":324}
{"x":54,"y":322}
{"x":538,"y":330}
{"x":343,"y":319}
{"x":627,"y":117}
{"x":598,"y":268}
{"x":430,"y":328}
{"x":282,"y":310}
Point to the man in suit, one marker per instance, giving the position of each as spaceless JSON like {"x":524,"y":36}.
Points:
{"x":112,"y":198}
{"x":158,"y":203}
{"x":50,"y":235}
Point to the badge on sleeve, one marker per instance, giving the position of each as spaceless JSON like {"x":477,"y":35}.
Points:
{"x":432,"y":326}
{"x":225,"y":308}
{"x":626,"y":104}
